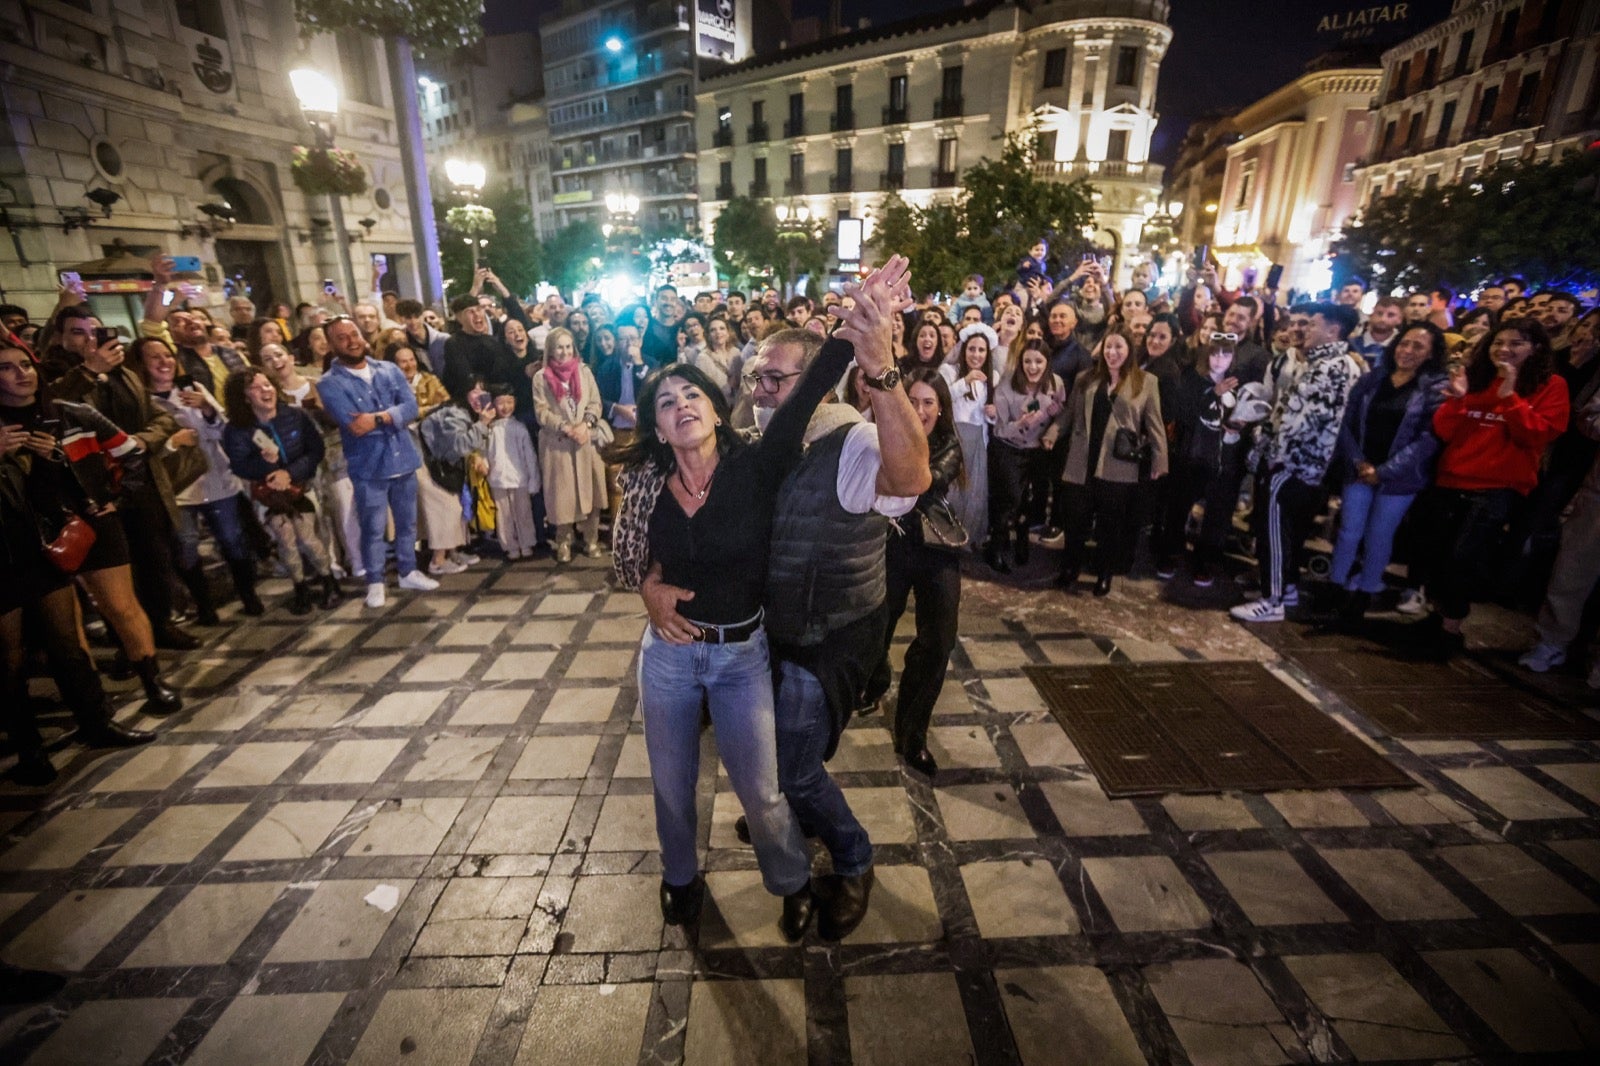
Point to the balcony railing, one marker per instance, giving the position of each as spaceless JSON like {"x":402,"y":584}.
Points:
{"x":638,"y":113}
{"x":756,"y":132}
{"x":794,"y":127}
{"x":794,"y":186}
{"x":724,"y":192}
{"x":943,"y":179}
{"x":841,"y":183}
{"x":841,"y":120}
{"x":759,"y":189}
{"x":893,"y":116}
{"x":891,"y":180}
{"x":722,"y":137}
{"x":1105,"y":168}
{"x":948,"y":107}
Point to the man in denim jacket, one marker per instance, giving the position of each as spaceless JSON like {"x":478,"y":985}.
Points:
{"x":373,"y":404}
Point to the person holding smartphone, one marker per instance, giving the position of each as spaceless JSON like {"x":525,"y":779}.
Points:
{"x":1026,"y":405}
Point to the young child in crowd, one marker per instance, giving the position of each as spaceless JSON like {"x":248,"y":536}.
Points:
{"x":972,"y":296}
{"x":513,"y":477}
{"x":1035,"y":267}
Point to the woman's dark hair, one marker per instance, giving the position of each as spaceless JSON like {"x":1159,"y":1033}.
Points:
{"x":234,"y":399}
{"x":1019,"y":380}
{"x":301,"y":346}
{"x":1468,"y":317}
{"x":1132,"y":377}
{"x":138,"y":347}
{"x":962,"y":369}
{"x":1535,"y":370}
{"x":646,"y":447}
{"x":945,"y":428}
{"x":594,"y":340}
{"x":1438,"y":347}
{"x":912,"y":358}
{"x":252,"y":339}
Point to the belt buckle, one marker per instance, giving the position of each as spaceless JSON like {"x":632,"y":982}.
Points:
{"x":703,"y":634}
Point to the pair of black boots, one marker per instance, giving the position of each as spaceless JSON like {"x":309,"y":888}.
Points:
{"x":242,"y":572}
{"x":1000,"y":546}
{"x":319,"y":592}
{"x":79,"y":683}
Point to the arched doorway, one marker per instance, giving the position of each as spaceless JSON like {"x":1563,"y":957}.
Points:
{"x":249,"y":253}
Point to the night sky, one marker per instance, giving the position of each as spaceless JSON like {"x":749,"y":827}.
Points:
{"x":1224,"y":54}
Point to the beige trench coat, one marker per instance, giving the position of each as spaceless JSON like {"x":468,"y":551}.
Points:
{"x":1141,"y":413}
{"x":574,"y":477}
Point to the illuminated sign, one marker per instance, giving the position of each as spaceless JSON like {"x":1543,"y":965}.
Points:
{"x":714,"y":29}
{"x":849,"y":249}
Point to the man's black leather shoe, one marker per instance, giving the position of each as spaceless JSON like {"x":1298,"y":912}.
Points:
{"x":843,"y":911}
{"x":797,"y":910}
{"x":680,"y":904}
{"x":922,"y":761}
{"x":111,"y":734}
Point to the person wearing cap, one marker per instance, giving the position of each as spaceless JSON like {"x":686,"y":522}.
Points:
{"x":475,"y":353}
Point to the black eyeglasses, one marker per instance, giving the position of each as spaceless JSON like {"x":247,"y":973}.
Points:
{"x":769,"y":382}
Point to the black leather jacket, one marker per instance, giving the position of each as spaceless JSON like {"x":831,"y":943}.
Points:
{"x":945,"y":466}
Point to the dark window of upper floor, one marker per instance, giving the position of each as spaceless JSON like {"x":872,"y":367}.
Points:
{"x":1055,"y":68}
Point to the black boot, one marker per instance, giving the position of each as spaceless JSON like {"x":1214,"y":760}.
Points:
{"x":680,"y":904}
{"x":194,"y":579}
{"x":331,"y":596}
{"x":33,"y":765}
{"x":301,"y":604}
{"x":33,"y":770}
{"x":1023,"y":545}
{"x":170,"y":637}
{"x":80,"y":687}
{"x":797,"y":910}
{"x":160,"y":700}
{"x":994,"y":553}
{"x":243,"y":573}
{"x":1102,"y":586}
{"x":845,"y":908}
{"x":1353,"y":610}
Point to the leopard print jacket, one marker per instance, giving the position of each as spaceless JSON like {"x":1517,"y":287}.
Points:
{"x":630,"y":542}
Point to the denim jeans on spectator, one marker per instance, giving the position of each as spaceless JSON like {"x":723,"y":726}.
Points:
{"x":805,"y":725}
{"x":735,"y":681}
{"x":222,"y":517}
{"x":1368,"y":520}
{"x":375,"y":501}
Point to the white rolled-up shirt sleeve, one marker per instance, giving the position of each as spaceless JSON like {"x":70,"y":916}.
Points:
{"x":857,"y":484}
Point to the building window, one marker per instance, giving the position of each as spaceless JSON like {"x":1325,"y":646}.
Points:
{"x":1055,"y":68}
{"x":950,"y":87}
{"x":797,"y":167}
{"x":1247,"y":178}
{"x":797,"y":115}
{"x":897,"y":159}
{"x":1486,"y":106}
{"x":759,"y":186}
{"x":1128,"y":65}
{"x":1430,"y":68}
{"x":897,"y":96}
{"x":843,"y":169}
{"x":758,"y":111}
{"x":1044,"y":147}
{"x":202,"y":15}
{"x":844,"y":106}
{"x":1414,"y":131}
{"x":1463,"y":54}
{"x":1349,"y":175}
{"x":1447,"y":119}
{"x":355,"y":63}
{"x":1525,"y":98}
{"x":1117,"y":146}
{"x":947,"y":155}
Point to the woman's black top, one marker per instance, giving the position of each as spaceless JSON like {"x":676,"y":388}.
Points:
{"x":1384,"y":415}
{"x":720,"y":553}
{"x":1099,"y":418}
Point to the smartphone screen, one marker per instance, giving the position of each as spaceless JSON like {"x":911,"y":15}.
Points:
{"x":328,"y":286}
{"x":1201,"y":255}
{"x":104,"y":335}
{"x":1274,"y":275}
{"x":71,"y":279}
{"x":183,"y":381}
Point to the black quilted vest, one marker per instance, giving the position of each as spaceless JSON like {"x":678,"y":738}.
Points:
{"x":826,"y":567}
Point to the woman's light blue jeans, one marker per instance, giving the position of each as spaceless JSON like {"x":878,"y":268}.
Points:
{"x":1367,"y":523}
{"x":736,"y":681}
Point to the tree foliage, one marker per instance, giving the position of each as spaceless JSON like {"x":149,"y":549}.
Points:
{"x":1537,"y":220}
{"x":749,"y":246}
{"x":513,"y":250}
{"x":1003,"y":209}
{"x":432,"y":26}
{"x":574,"y":255}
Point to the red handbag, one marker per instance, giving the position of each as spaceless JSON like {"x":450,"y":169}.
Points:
{"x":71,"y":546}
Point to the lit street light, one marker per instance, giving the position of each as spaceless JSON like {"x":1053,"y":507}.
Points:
{"x":319,"y":102}
{"x":468,"y":178}
{"x":794,"y":225}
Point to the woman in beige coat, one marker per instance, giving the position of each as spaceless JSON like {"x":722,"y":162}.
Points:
{"x":566,"y":403}
{"x":1102,"y":478}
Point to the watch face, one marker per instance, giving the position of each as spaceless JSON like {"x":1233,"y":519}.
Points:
{"x":890,"y":378}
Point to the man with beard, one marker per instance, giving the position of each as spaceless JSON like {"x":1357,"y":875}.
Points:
{"x":188,"y":333}
{"x":475,"y":353}
{"x":661,"y":335}
{"x":372,"y":403}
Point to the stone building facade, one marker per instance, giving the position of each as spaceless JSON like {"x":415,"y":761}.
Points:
{"x":839,"y":123}
{"x":175,"y":108}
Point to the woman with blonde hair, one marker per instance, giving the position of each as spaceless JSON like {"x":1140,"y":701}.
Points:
{"x":566,"y":403}
{"x":1113,"y":425}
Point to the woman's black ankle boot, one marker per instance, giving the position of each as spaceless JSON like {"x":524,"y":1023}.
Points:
{"x":160,"y":700}
{"x":243,"y":573}
{"x":194,"y":579}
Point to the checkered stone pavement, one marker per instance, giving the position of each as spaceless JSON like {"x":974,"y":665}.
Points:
{"x":425,"y":835}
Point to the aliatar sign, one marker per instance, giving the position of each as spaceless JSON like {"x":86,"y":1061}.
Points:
{"x":1364,"y":21}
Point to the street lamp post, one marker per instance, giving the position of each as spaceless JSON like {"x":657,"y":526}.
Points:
{"x":319,"y":102}
{"x":1161,"y":216}
{"x":468,"y":178}
{"x":794,"y":225}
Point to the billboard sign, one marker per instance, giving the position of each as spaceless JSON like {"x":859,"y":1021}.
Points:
{"x":715,"y":27}
{"x":849,"y":249}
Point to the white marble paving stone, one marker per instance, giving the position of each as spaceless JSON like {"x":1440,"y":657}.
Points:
{"x":398,"y":710}
{"x":65,"y":839}
{"x":492,"y":706}
{"x":1054,"y":1008}
{"x":585,"y":1024}
{"x":523,"y":825}
{"x":1221,"y":1014}
{"x":1019,"y":898}
{"x":907,"y":1020}
{"x":1512,"y":793}
{"x":71,"y":933}
{"x":746,"y":1022}
{"x":615,"y":913}
{"x":154,"y":767}
{"x":1083,"y":810}
{"x":207,"y":926}
{"x":408,"y":826}
{"x":579,"y":705}
{"x":438,"y":1026}
{"x":290,"y":830}
{"x":177,"y":834}
{"x":548,"y":758}
{"x":1515,"y":881}
{"x":354,"y":762}
{"x":454,"y":759}
{"x":318,"y":710}
{"x":267,"y":1029}
{"x":1372,"y":1008}
{"x":1395,"y":884}
{"x":337,"y":922}
{"x":111,"y":1032}
{"x":1146,"y":893}
{"x":257,"y":764}
{"x":1524,"y":1007}
{"x":1272,"y":888}
{"x":228,"y":713}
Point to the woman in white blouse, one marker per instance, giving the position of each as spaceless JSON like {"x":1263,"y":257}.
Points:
{"x":972,"y":379}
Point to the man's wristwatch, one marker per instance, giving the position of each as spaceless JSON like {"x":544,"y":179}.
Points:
{"x":884,"y":381}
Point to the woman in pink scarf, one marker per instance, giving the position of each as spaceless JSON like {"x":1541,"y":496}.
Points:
{"x":566,"y":403}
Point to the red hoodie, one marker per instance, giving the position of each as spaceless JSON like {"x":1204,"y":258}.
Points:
{"x":1492,"y":442}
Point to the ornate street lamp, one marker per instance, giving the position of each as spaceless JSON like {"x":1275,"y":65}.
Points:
{"x":319,"y":103}
{"x":474,"y":221}
{"x":794,"y":226}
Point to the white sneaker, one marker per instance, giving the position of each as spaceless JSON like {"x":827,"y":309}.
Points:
{"x":464,"y":558}
{"x":1543,"y":657}
{"x":449,"y":566}
{"x":417,"y":581}
{"x":1262,"y":610}
{"x":375,"y":596}
{"x":1412,"y":602}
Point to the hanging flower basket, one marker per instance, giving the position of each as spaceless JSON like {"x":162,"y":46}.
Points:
{"x":327,"y":171}
{"x":471,"y":220}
